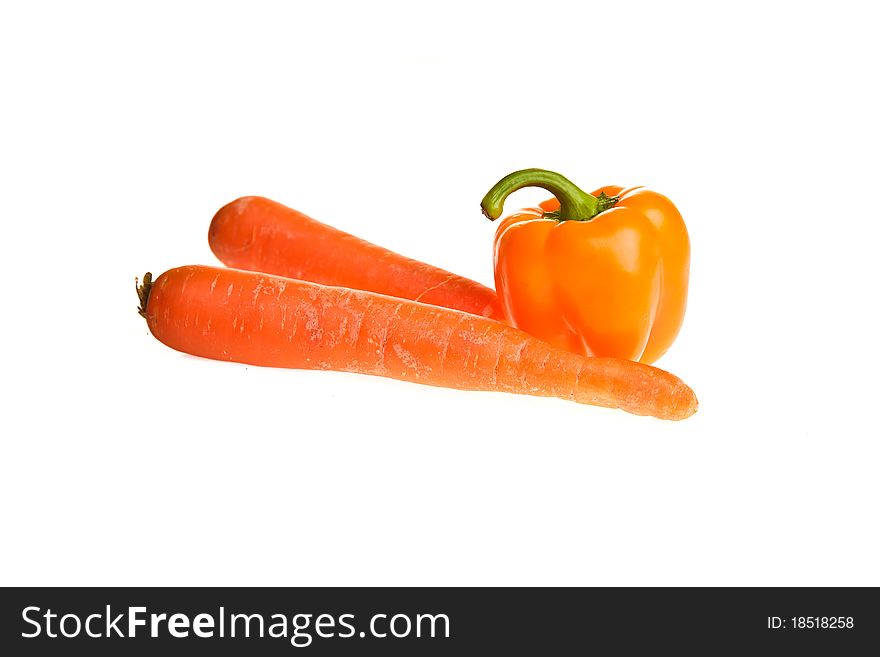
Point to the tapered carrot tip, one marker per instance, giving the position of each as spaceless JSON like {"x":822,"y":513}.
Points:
{"x":634,"y":387}
{"x":690,"y":405}
{"x":679,"y":401}
{"x":683,"y":402}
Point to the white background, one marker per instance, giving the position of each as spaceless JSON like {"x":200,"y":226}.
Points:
{"x":124,"y":129}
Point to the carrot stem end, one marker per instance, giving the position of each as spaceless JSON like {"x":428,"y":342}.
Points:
{"x":143,"y":292}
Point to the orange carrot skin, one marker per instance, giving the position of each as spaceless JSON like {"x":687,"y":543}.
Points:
{"x":261,"y":319}
{"x":258,"y":234}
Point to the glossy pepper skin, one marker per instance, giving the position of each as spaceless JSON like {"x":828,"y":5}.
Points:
{"x":602,"y":274}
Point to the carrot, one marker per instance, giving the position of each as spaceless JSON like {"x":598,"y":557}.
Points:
{"x":258,"y":234}
{"x":255,"y":318}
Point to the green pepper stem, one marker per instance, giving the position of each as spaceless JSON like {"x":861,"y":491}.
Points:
{"x":574,"y":203}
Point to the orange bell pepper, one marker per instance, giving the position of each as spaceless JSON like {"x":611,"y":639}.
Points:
{"x":602,"y":274}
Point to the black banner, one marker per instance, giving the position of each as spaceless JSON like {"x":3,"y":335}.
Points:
{"x":436,"y":621}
